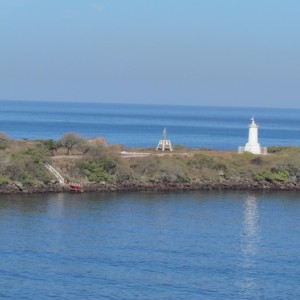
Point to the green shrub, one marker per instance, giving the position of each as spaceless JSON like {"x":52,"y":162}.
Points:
{"x":284,"y":149}
{"x":202,"y":161}
{"x":4,"y":180}
{"x":270,"y":175}
{"x":182,"y":148}
{"x":4,"y":140}
{"x":124,"y":173}
{"x":257,"y":161}
{"x":98,"y":169}
{"x":146,"y":166}
{"x":292,"y":167}
{"x":3,"y":144}
{"x":28,"y":165}
{"x":51,"y":145}
{"x":170,"y":171}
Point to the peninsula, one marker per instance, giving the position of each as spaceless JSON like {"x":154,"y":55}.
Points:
{"x":97,"y":166}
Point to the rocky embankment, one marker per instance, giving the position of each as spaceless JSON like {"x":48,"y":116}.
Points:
{"x":55,"y":187}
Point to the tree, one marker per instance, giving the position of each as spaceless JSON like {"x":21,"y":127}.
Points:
{"x":70,"y":140}
{"x":51,"y":145}
{"x":83,"y":146}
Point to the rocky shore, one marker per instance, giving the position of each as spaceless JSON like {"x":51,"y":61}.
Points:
{"x":55,"y":187}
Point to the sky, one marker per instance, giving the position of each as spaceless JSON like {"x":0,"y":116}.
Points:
{"x":197,"y":52}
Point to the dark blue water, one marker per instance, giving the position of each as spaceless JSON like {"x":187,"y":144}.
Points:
{"x":193,"y":245}
{"x":142,"y":125}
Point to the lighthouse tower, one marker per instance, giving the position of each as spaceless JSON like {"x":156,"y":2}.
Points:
{"x":253,"y":146}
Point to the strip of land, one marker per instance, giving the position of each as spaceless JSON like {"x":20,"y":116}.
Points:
{"x":96,"y":166}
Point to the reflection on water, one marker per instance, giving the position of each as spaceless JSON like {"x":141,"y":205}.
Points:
{"x":249,"y":245}
{"x":250,"y":231}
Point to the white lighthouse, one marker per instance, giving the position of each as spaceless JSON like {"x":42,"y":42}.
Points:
{"x":253,"y":146}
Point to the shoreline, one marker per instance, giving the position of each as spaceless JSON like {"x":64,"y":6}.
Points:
{"x":55,"y":187}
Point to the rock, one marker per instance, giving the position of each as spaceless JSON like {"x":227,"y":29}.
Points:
{"x":19,"y":185}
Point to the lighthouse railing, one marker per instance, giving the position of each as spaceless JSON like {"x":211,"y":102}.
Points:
{"x":241,"y":150}
{"x":264,"y":150}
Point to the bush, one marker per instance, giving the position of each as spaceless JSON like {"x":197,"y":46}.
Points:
{"x":98,"y":169}
{"x":257,"y":161}
{"x":270,"y":175}
{"x":4,"y":180}
{"x":83,"y":146}
{"x":98,"y":150}
{"x":293,"y":168}
{"x":171,"y":173}
{"x":4,"y":139}
{"x":170,"y":170}
{"x":203,"y":161}
{"x":124,"y":173}
{"x":284,"y":149}
{"x":3,"y":144}
{"x":37,"y":154}
{"x":28,"y":164}
{"x":146,"y":166}
{"x":51,"y":145}
{"x":200,"y":161}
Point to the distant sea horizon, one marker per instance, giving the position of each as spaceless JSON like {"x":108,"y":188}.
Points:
{"x":141,"y":125}
{"x":146,"y":104}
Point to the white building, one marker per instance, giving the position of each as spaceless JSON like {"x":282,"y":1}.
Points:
{"x":253,"y":146}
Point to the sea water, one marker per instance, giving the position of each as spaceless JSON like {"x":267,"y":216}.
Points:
{"x":191,"y":245}
{"x":142,"y":125}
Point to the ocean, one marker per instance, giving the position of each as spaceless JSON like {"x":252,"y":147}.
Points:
{"x":190,"y":245}
{"x":220,"y":128}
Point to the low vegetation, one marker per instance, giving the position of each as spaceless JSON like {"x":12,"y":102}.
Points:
{"x":98,"y":169}
{"x":92,"y":161}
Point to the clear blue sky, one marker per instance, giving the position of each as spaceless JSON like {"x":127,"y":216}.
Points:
{"x":200,"y":52}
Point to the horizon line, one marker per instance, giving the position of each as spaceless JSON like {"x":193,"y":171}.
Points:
{"x":146,"y":104}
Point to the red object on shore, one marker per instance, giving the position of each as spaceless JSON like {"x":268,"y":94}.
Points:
{"x":75,"y":188}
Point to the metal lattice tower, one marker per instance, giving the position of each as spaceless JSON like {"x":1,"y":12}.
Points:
{"x":164,"y":144}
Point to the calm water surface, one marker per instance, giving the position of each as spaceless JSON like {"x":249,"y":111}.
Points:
{"x":142,"y":125}
{"x":194,"y":245}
